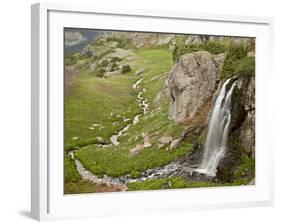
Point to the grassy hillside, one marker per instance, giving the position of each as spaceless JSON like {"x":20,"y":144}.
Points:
{"x":96,"y":107}
{"x":100,"y":101}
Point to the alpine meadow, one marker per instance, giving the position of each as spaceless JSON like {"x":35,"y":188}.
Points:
{"x":152,"y":111}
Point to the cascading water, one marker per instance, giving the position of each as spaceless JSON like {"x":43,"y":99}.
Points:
{"x":217,"y":133}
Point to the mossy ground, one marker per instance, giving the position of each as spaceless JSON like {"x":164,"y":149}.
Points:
{"x":168,"y":183}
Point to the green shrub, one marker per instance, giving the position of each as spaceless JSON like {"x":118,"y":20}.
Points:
{"x":234,"y":53}
{"x":202,"y":139}
{"x":115,"y":59}
{"x":245,"y":67}
{"x":213,"y":47}
{"x":104,"y":63}
{"x":114,"y":67}
{"x":246,"y":170}
{"x":122,"y":42}
{"x":125,"y":69}
{"x":100,"y":72}
{"x":70,"y":59}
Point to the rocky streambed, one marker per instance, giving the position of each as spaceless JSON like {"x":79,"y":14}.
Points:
{"x":182,"y":167}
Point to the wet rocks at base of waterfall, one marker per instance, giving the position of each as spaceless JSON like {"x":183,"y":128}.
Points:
{"x":194,"y":158}
{"x":227,"y":165}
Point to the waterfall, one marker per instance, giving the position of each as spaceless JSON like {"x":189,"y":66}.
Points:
{"x":217,"y":132}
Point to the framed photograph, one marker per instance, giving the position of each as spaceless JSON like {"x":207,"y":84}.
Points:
{"x":148,"y":111}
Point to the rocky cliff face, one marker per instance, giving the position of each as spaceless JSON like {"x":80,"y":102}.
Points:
{"x":242,"y":133}
{"x":190,"y":84}
{"x":246,"y":130}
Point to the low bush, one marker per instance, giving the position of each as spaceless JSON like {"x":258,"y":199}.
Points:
{"x":234,"y":54}
{"x":100,"y":72}
{"x":245,"y":67}
{"x":125,"y":69}
{"x":213,"y":47}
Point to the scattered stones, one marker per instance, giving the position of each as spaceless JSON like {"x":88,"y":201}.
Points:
{"x":75,"y":138}
{"x":166,"y":139}
{"x":175,"y":143}
{"x":136,"y":150}
{"x":146,"y":143}
{"x":160,"y":146}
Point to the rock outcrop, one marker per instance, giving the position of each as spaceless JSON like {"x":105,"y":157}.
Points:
{"x":246,"y":132}
{"x":190,"y":84}
{"x":145,"y":40}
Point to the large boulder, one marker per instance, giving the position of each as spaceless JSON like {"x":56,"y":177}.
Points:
{"x":190,"y":84}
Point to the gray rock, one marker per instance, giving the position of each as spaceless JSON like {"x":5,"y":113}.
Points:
{"x":146,"y":143}
{"x":219,"y":59}
{"x":160,"y":146}
{"x":136,"y":150}
{"x":100,"y":140}
{"x":175,"y":143}
{"x":166,"y":139}
{"x":159,"y":98}
{"x":190,"y":84}
{"x":247,"y":130}
{"x":193,"y":39}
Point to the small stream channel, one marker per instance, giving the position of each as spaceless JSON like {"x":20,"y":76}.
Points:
{"x":121,"y":182}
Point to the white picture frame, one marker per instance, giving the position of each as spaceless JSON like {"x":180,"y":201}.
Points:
{"x":48,"y":201}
